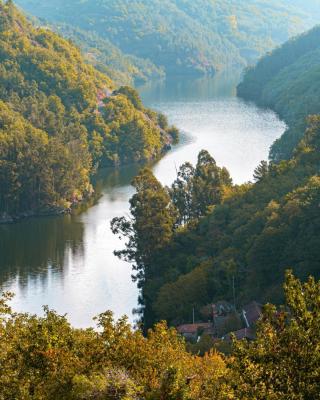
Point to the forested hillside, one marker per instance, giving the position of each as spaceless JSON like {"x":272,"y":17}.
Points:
{"x":208,"y":240}
{"x":60,"y":119}
{"x":287,"y":81}
{"x":123,"y":69}
{"x":181,"y":36}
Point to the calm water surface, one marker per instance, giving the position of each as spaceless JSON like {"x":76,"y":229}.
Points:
{"x":68,"y":262}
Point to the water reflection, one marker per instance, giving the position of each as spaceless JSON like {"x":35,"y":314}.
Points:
{"x":68,"y":262}
{"x":203,"y":89}
{"x":29,"y":247}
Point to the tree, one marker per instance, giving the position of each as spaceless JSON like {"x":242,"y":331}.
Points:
{"x":60,"y":120}
{"x":132,"y":95}
{"x":261,"y":171}
{"x":284,"y":361}
{"x":196,"y":189}
{"x":45,"y":358}
{"x":163,"y":121}
{"x":181,"y":193}
{"x":113,"y":384}
{"x":174,"y":133}
{"x":208,"y":184}
{"x":150,"y":226}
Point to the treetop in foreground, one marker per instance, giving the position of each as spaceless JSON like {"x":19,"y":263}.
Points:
{"x":46,"y":358}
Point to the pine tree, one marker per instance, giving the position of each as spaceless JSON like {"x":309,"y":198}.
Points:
{"x":261,"y":171}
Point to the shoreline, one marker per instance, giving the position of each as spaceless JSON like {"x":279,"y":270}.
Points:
{"x":6,"y":219}
{"x":55,"y":211}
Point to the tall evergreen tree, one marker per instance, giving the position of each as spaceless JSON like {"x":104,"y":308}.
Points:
{"x":209,"y":183}
{"x":261,"y":171}
{"x":150,"y":226}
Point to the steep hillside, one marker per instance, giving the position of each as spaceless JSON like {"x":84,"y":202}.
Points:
{"x":184,"y":36}
{"x":123,"y":69}
{"x":287,"y":81}
{"x":215,"y":241}
{"x":60,"y":118}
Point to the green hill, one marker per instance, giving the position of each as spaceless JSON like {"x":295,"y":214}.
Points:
{"x":287,"y":81}
{"x":183,"y":36}
{"x":209,"y":240}
{"x":60,"y":119}
{"x":123,"y":69}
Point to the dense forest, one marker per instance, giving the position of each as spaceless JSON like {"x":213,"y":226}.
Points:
{"x":204,"y":239}
{"x":181,"y":36}
{"x":44,"y":358}
{"x":286,"y":81}
{"x":60,"y":119}
{"x":201,"y":241}
{"x":122,"y":68}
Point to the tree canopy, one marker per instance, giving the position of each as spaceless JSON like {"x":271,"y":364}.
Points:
{"x":43,"y":357}
{"x":232,"y":242}
{"x":286,"y":81}
{"x":188,"y":37}
{"x":60,"y":119}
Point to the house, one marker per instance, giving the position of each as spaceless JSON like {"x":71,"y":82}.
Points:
{"x":224,"y":324}
{"x":192,"y":331}
{"x":222,"y":308}
{"x":219,"y":324}
{"x":245,"y":333}
{"x":251,"y":313}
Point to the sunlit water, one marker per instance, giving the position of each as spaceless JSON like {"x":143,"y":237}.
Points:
{"x":68,"y":262}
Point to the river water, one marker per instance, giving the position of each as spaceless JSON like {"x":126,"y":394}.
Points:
{"x":67,"y":262}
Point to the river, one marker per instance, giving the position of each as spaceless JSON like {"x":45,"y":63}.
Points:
{"x":67,"y":262}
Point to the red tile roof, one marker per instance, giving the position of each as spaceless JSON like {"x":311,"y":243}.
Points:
{"x":193,"y":328}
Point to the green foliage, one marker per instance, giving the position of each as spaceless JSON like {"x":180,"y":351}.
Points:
{"x":60,"y":120}
{"x":113,"y":384}
{"x":123,"y":69}
{"x":203,"y":346}
{"x":56,"y":170}
{"x":195,"y":189}
{"x":134,"y":97}
{"x":44,"y":358}
{"x":244,"y":236}
{"x":150,"y":226}
{"x":286,"y":81}
{"x":177,"y":299}
{"x":284,"y":361}
{"x":183,"y":36}
{"x":157,"y":215}
{"x":232,"y":324}
{"x":261,"y":171}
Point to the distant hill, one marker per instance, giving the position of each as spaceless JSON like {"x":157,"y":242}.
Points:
{"x":122,"y":68}
{"x":185,"y":36}
{"x":60,"y":118}
{"x":287,"y":81}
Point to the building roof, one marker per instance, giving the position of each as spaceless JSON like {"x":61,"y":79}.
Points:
{"x":245,"y":333}
{"x":251,"y":313}
{"x":192,"y":329}
{"x":222,"y":308}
